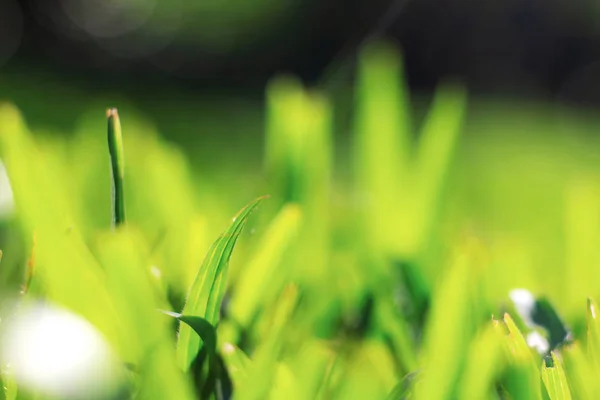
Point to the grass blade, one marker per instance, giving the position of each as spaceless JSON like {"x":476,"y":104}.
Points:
{"x":449,"y":322}
{"x":382,"y":144}
{"x":484,"y":363}
{"x":237,"y":363}
{"x":582,"y":374}
{"x":593,"y":333}
{"x":205,"y":296}
{"x":253,"y":284}
{"x":555,"y":380}
{"x":117,"y":164}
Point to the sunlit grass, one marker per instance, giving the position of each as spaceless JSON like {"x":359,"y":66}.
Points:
{"x":399,"y":292}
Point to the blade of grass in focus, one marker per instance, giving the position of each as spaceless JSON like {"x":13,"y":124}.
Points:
{"x":117,"y":164}
{"x":205,"y":296}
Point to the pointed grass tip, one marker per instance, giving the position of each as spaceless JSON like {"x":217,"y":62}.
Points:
{"x":112,"y":112}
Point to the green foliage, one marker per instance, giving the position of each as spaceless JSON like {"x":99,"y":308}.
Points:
{"x":339,"y":290}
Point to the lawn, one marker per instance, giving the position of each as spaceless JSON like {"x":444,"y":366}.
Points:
{"x":361,"y":244}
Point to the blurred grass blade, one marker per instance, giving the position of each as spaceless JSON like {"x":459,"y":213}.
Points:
{"x":237,"y":363}
{"x":523,"y":375}
{"x":483,"y":366}
{"x":382,"y":140}
{"x":397,"y":330}
{"x":436,"y":146}
{"x":449,"y":322}
{"x":593,"y":331}
{"x":521,"y":382}
{"x":9,"y":389}
{"x":131,"y":284}
{"x":402,"y":389}
{"x":259,"y":380}
{"x":117,"y":164}
{"x":581,"y":373}
{"x":555,"y":380}
{"x":581,"y":206}
{"x":205,"y":296}
{"x":517,"y":343}
{"x":255,"y":280}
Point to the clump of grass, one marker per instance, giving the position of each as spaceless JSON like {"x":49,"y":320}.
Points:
{"x":310,"y":309}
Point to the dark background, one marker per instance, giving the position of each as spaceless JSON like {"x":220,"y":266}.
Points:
{"x":543,"y":49}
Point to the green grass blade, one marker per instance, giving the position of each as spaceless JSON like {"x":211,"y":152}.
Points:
{"x":237,"y":363}
{"x":449,"y":322}
{"x":397,"y":330}
{"x":203,"y":328}
{"x":117,"y":163}
{"x":484,"y":364}
{"x":582,"y":374}
{"x":436,"y":146}
{"x":593,"y":331}
{"x":521,"y":362}
{"x":205,"y":296}
{"x":382,"y":140}
{"x":555,"y":380}
{"x":252,"y":285}
{"x":403,"y":388}
{"x":121,"y":255}
{"x":9,"y":388}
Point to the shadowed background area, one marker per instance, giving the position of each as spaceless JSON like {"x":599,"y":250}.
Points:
{"x":543,"y":49}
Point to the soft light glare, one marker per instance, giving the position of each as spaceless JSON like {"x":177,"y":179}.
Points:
{"x":58,"y":354}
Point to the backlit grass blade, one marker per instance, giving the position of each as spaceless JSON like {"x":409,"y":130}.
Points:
{"x":434,"y":152}
{"x":130,"y":282}
{"x":483,"y":366}
{"x":403,"y":388}
{"x":582,"y":374}
{"x":299,"y":162}
{"x":581,"y":242}
{"x":259,"y":380}
{"x":449,"y":322}
{"x":523,"y":377}
{"x":382,"y":141}
{"x":311,"y":365}
{"x":203,"y":328}
{"x":117,"y":163}
{"x":593,"y":331}
{"x":237,"y":363}
{"x":555,"y":380}
{"x":9,"y":389}
{"x":517,"y":343}
{"x":256,"y":279}
{"x":205,"y":296}
{"x":394,"y":326}
{"x":370,"y":372}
